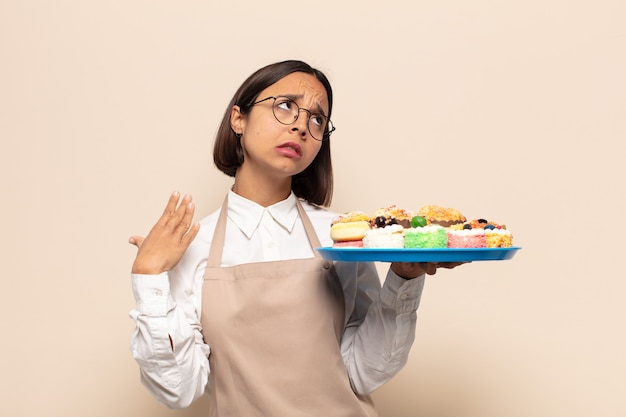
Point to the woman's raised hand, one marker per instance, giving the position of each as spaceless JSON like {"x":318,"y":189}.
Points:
{"x":168,"y":240}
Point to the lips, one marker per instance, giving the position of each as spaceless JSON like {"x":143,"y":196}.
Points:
{"x":290,"y":149}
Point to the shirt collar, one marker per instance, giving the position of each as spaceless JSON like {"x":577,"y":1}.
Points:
{"x":247,"y":214}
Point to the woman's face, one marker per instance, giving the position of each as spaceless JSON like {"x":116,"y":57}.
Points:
{"x":275,"y":149}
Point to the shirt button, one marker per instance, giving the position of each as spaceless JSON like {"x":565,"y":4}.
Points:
{"x":404,"y":296}
{"x":158,"y":292}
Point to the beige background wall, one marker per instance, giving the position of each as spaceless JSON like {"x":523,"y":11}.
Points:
{"x":512,"y":110}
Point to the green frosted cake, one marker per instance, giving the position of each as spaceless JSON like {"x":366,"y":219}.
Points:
{"x":432,"y":236}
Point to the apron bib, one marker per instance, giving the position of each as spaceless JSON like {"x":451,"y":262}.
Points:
{"x":274,"y":329}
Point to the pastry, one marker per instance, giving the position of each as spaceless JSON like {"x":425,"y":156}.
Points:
{"x":431,"y":236}
{"x":466,"y":238}
{"x":391,"y":236}
{"x":441,"y":215}
{"x":498,"y":238}
{"x":496,"y":235}
{"x":391,"y":215}
{"x":348,"y":229}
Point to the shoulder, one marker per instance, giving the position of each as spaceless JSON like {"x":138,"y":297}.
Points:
{"x":321,"y":218}
{"x":319,"y":214}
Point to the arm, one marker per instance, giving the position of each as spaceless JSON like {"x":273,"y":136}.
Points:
{"x":167,"y":342}
{"x":380,"y":332}
{"x":381,"y":329}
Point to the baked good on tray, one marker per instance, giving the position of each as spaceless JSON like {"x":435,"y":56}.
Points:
{"x":443,"y":216}
{"x":496,"y":235}
{"x":466,"y":238}
{"x":431,"y":236}
{"x":391,"y":215}
{"x":348,"y":229}
{"x":498,"y":238}
{"x":391,"y":236}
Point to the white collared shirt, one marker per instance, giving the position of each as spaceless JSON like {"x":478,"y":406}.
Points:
{"x":380,"y":322}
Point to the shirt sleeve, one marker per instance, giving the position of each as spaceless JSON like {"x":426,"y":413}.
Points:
{"x":381,"y":328}
{"x":167,"y":342}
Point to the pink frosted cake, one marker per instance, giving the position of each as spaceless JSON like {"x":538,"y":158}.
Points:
{"x":496,"y":235}
{"x":466,"y":238}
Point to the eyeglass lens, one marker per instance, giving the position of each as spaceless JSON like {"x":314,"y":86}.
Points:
{"x":287,"y":112}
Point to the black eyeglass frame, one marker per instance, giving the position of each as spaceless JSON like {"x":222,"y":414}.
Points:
{"x":330,"y":127}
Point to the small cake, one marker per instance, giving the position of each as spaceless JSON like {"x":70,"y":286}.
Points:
{"x":442,"y":216}
{"x":498,"y":238}
{"x":431,"y":236}
{"x":484,"y":224}
{"x":348,"y":229}
{"x":391,"y":215}
{"x":496,"y":235}
{"x":391,"y":236}
{"x":466,"y":238}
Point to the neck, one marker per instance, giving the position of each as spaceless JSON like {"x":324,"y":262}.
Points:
{"x":261,"y":190}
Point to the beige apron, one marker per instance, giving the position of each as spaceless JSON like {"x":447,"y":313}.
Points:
{"x":274,"y":329}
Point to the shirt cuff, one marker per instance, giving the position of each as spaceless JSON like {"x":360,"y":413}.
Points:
{"x":401,"y":294}
{"x":152,"y":294}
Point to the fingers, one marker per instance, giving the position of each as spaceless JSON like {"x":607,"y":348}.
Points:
{"x":168,"y":240}
{"x":136,"y":240}
{"x":191,"y":234}
{"x":174,"y":222}
{"x":431,"y":268}
{"x":178,"y":216}
{"x":170,"y":207}
{"x":450,"y":265}
{"x":185,"y":213}
{"x":408,"y":270}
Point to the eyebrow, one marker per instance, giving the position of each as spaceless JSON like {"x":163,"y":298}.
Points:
{"x":295,"y":96}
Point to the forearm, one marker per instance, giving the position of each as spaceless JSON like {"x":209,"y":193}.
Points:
{"x":377,"y":349}
{"x":167,"y":345}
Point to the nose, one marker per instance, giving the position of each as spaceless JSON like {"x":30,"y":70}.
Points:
{"x":301,"y":123}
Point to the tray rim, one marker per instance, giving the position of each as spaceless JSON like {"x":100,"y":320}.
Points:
{"x":417,"y":254}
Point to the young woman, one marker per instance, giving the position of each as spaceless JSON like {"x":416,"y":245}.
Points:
{"x":240,"y":305}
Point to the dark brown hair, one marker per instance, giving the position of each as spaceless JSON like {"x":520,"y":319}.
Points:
{"x":315,"y":183}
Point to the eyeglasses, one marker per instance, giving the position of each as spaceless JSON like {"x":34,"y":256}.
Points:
{"x":287,"y":111}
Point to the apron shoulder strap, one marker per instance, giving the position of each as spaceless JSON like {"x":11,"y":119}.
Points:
{"x":308,"y":228}
{"x":217,"y":243}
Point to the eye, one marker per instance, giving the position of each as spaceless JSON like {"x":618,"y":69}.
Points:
{"x":318,"y":119}
{"x":285,"y":104}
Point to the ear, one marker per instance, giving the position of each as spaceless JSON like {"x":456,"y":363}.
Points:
{"x":237,"y":120}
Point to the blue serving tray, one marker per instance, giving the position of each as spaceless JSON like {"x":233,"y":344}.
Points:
{"x":417,"y":255}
